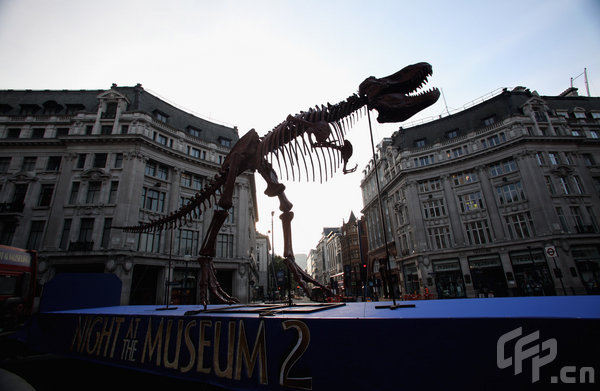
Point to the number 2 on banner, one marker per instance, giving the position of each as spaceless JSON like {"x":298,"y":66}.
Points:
{"x":304,"y":383}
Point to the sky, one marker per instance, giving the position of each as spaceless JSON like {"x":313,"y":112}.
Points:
{"x":251,"y":63}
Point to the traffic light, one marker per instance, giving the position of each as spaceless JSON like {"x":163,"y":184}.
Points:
{"x":363,"y":272}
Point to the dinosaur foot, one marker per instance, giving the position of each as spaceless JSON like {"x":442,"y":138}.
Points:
{"x":302,"y":277}
{"x":209,"y":283}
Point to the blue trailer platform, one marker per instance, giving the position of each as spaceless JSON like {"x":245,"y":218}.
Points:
{"x":467,"y":344}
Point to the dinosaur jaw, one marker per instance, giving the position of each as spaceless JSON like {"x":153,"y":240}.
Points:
{"x":396,"y":97}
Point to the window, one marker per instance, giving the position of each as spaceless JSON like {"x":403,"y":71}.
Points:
{"x":74,"y":193}
{"x":86,"y":230}
{"x":564,"y":185}
{"x":46,"y":195}
{"x":503,"y":167}
{"x":186,"y":180}
{"x":550,"y":185}
{"x":197,"y":182}
{"x":225,"y":142}
{"x":118,"y":163}
{"x":156,"y":170}
{"x":456,"y":152}
{"x":464,"y":178}
{"x":578,"y":184}
{"x":510,"y":193}
{"x":593,"y":220}
{"x":193,"y":131}
{"x":520,"y":225}
{"x":489,"y":120}
{"x":194,"y":152}
{"x":188,"y":242}
{"x":64,"y":237}
{"x":478,"y":232}
{"x":36,"y":232}
{"x":554,"y":158}
{"x":595,"y":114}
{"x":420,"y":143}
{"x":112,"y":195}
{"x":163,"y":172}
{"x":106,"y":129}
{"x":594,"y":134}
{"x":470,"y":202}
{"x":430,"y":185}
{"x":105,"y":243}
{"x":493,"y":140}
{"x":424,"y":160}
{"x":153,"y":200}
{"x":588,"y":159}
{"x":540,"y":158}
{"x":162,"y":117}
{"x":99,"y":160}
{"x":4,"y":164}
{"x":434,"y":208}
{"x":20,"y":193}
{"x":149,"y":242}
{"x":53,"y":163}
{"x":29,"y":163}
{"x":452,"y":134}
{"x":88,"y":130}
{"x":7,"y":232}
{"x":576,"y":213}
{"x":124,"y":129}
{"x":224,"y":246}
{"x":151,"y":168}
{"x":562,"y":219}
{"x":562,"y":113}
{"x":579,"y":114}
{"x":81,"y":160}
{"x":13,"y":133}
{"x":162,"y":139}
{"x":93,"y":193}
{"x":60,"y":132}
{"x":439,"y":237}
{"x":38,"y":133}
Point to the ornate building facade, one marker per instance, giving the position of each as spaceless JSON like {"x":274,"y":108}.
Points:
{"x":76,"y":164}
{"x":500,"y":199}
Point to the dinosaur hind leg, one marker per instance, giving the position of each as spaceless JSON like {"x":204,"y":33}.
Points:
{"x":208,"y":278}
{"x":274,"y":188}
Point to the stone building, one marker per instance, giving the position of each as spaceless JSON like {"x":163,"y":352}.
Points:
{"x":76,"y":164}
{"x":500,"y":199}
{"x":353,"y":242}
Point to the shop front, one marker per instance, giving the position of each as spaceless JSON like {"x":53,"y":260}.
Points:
{"x":411,"y":279}
{"x":587,"y":259}
{"x":449,"y":279}
{"x":488,"y":276}
{"x":532,"y":274}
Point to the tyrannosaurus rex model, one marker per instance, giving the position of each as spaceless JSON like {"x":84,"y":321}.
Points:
{"x":312,"y":139}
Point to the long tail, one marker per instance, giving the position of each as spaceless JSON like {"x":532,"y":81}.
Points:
{"x":289,"y":144}
{"x":201,"y":201}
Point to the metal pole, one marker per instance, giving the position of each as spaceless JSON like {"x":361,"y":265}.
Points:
{"x":587,"y":86}
{"x":361,"y":262}
{"x":273,"y":257}
{"x":383,"y":226}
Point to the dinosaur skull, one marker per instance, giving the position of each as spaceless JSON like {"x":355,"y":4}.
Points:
{"x":395,"y":97}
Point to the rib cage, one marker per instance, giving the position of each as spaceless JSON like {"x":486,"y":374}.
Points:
{"x":289,"y":146}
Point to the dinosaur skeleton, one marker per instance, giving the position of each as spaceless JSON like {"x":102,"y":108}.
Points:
{"x":312,"y":140}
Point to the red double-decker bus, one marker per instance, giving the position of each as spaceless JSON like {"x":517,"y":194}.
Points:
{"x":17,"y":285}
